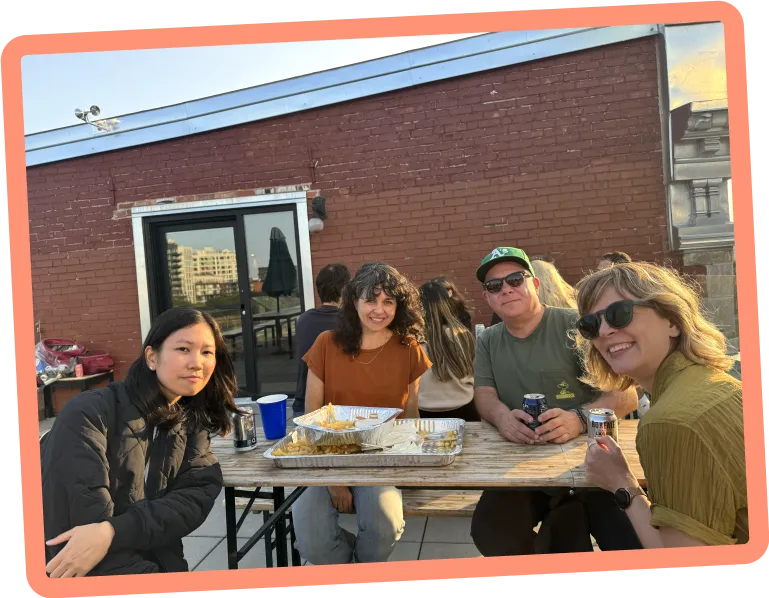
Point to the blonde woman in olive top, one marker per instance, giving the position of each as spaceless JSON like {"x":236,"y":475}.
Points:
{"x":642,"y":324}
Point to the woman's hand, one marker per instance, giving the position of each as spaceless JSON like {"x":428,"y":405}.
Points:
{"x":341,"y":498}
{"x":86,"y":546}
{"x":606,"y":466}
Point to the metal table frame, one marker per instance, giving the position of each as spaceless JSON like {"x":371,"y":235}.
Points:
{"x":276,"y":521}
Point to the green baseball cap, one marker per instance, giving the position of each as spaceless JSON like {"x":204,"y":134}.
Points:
{"x":503,"y":254}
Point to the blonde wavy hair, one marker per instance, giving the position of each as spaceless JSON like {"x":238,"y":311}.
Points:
{"x":553,"y":289}
{"x":673,"y":297}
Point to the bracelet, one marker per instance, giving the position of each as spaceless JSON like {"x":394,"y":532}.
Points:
{"x":581,"y":417}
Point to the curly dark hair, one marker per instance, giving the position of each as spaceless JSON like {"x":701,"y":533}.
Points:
{"x":371,"y":279}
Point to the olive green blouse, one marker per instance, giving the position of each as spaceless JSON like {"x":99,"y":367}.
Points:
{"x":692,"y":450}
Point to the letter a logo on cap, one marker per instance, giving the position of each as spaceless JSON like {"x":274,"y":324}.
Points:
{"x":498,"y":252}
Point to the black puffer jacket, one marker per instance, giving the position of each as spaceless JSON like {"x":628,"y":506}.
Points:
{"x":93,"y":466}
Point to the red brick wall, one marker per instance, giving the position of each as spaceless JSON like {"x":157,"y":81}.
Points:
{"x":561,"y":156}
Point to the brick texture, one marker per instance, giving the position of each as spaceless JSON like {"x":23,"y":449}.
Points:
{"x":561,"y":156}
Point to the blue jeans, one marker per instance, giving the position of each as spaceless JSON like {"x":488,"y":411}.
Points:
{"x":321,"y":540}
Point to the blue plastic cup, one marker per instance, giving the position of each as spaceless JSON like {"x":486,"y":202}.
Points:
{"x":272,"y":408}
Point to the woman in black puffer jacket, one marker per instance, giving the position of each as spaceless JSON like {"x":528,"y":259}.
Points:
{"x":127,"y":470}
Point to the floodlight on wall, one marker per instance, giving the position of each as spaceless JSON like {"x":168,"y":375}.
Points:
{"x":103,"y":126}
{"x":315,"y":223}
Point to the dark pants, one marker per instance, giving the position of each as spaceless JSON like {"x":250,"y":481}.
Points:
{"x":467,"y":412}
{"x":503,"y":522}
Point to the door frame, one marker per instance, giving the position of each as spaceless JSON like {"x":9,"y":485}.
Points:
{"x":295,"y":199}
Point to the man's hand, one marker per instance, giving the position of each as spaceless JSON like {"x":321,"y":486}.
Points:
{"x":341,"y":498}
{"x":558,"y":426}
{"x":513,"y":427}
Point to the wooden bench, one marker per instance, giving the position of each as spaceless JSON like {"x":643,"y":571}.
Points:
{"x":417,"y":502}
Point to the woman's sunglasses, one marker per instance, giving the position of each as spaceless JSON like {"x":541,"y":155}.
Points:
{"x":617,"y":315}
{"x":514,"y":280}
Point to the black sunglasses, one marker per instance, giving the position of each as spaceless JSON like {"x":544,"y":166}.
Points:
{"x":513,"y":280}
{"x":617,"y":315}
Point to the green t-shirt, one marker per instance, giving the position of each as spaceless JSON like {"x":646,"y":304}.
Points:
{"x":545,"y":362}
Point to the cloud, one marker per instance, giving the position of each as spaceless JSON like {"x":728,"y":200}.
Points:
{"x":699,"y":74}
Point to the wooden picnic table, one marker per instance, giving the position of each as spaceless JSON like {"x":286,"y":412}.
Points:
{"x":487,"y":461}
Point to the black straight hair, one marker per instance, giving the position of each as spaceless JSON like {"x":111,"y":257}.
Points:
{"x":209,"y":409}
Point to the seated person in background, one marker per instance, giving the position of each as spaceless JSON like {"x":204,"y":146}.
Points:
{"x":329,"y":283}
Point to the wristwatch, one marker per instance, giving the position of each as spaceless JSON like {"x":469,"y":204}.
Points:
{"x":624,"y":496}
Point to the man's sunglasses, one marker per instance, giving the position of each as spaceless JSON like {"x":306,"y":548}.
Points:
{"x":617,"y":315}
{"x":514,"y":280}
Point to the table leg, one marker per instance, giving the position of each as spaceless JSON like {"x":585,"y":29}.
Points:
{"x":267,"y":542}
{"x":281,"y":553}
{"x":296,"y":558}
{"x":232,"y":532}
{"x":47,"y":401}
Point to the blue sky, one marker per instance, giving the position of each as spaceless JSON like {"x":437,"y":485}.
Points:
{"x":134,"y":80}
{"x":130,"y":81}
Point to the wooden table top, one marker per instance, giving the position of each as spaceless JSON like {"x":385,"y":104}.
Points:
{"x":487,"y":461}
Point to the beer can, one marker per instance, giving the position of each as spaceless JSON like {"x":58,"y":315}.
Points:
{"x":79,"y":370}
{"x":479,"y":328}
{"x":244,"y":429}
{"x":602,"y":422}
{"x":534,"y":405}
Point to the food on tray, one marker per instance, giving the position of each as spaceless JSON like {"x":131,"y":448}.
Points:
{"x":445,"y":440}
{"x":406,"y":448}
{"x":303,"y":448}
{"x":337,"y":426}
{"x":331,"y":422}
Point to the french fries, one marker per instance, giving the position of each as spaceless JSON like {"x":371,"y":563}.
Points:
{"x":331,"y":423}
{"x":303,"y":448}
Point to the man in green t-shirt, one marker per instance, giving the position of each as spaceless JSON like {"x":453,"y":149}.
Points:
{"x":533,"y":351}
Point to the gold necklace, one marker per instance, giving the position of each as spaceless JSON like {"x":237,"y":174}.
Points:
{"x":375,"y":356}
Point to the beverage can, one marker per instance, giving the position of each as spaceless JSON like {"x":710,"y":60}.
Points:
{"x":534,"y":405}
{"x":603,"y":422}
{"x":244,"y":429}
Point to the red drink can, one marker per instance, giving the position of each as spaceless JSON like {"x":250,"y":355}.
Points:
{"x":79,"y":370}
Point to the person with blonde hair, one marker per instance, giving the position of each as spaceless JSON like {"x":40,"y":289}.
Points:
{"x":446,"y":389}
{"x":553,"y":289}
{"x":642,"y":324}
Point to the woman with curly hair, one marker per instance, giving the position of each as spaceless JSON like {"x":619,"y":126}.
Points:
{"x":642,"y":324}
{"x":372,"y":359}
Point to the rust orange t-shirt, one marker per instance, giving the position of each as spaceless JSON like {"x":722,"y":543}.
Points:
{"x":375,"y":378}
